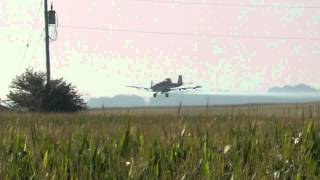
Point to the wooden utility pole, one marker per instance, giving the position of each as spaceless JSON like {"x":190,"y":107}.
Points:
{"x":46,"y":17}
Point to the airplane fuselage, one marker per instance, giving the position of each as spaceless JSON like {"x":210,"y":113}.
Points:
{"x":164,"y":87}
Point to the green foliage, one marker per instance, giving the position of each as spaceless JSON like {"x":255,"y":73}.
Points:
{"x":30,"y":91}
{"x":27,"y":90}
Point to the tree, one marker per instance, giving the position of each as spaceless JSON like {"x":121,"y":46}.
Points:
{"x":29,"y":91}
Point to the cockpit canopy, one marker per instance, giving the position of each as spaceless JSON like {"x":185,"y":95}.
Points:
{"x":168,"y":80}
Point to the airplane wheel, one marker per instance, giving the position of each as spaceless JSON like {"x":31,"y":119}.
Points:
{"x":167,"y":95}
{"x":154,"y":95}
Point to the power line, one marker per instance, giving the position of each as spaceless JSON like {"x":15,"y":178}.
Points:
{"x":29,"y":37}
{"x":229,"y":5}
{"x":188,"y":34}
{"x":36,"y":47}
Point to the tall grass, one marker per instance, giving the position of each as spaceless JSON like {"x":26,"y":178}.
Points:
{"x":226,"y":146}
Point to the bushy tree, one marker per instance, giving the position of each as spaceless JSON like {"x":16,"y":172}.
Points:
{"x":30,"y":91}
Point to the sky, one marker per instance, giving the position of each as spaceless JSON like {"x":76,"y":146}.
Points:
{"x":103,"y":46}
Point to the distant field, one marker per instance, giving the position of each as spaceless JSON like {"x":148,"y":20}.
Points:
{"x":305,"y":110}
{"x":226,"y":142}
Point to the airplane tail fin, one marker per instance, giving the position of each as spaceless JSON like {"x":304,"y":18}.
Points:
{"x":180,"y":82}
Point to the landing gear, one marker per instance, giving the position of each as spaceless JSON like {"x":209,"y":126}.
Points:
{"x":166,"y":94}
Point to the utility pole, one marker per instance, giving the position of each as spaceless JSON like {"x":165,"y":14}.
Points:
{"x":46,"y":16}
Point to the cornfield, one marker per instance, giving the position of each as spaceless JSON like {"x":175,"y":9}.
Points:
{"x":158,"y":146}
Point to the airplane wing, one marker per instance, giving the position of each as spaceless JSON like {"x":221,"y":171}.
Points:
{"x":185,"y":88}
{"x":137,"y":87}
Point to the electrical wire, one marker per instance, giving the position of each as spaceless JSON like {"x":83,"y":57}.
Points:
{"x":54,"y":34}
{"x":188,"y":34}
{"x":37,"y":45}
{"x":29,"y":38}
{"x":228,"y":5}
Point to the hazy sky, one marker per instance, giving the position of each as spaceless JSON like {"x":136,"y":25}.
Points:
{"x":102,"y":62}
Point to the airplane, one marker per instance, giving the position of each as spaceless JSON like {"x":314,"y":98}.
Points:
{"x":166,"y":86}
